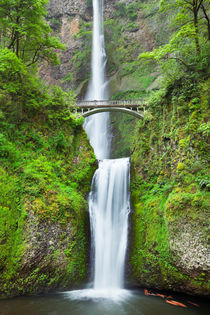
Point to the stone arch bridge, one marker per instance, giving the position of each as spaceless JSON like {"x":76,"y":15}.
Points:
{"x":135,"y":108}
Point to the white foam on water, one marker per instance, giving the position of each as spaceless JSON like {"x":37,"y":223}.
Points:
{"x":92,"y":294}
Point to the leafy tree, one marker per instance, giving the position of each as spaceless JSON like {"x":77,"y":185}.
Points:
{"x":23,"y":29}
{"x":187,"y":50}
{"x":11,"y":69}
{"x":189,"y":12}
{"x":23,"y":95}
{"x":205,"y":9}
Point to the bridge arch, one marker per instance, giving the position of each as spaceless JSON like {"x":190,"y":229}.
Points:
{"x":112,"y":109}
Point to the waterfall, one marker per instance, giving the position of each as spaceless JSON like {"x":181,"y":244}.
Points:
{"x":109,"y":197}
{"x":97,"y":89}
{"x":109,"y":203}
{"x":109,"y":208}
{"x":96,"y":126}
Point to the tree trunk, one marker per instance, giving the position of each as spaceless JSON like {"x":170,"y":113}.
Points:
{"x":195,"y":20}
{"x":17,"y":37}
{"x":207,"y":19}
{"x":17,"y":44}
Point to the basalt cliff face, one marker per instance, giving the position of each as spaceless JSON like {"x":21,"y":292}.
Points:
{"x":65,"y":18}
{"x":127,"y":33}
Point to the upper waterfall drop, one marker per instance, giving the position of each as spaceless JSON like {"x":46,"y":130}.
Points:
{"x":97,"y":89}
{"x":97,"y":125}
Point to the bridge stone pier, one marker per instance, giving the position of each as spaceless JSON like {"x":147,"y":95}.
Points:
{"x":135,"y":108}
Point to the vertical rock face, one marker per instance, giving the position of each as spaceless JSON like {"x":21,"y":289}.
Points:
{"x":69,"y":7}
{"x":188,"y":244}
{"x":71,"y":20}
{"x":65,"y":18}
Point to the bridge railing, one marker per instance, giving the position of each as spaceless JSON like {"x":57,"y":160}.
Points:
{"x":111,"y":103}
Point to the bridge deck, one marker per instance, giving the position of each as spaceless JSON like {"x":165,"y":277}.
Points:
{"x":108,"y":103}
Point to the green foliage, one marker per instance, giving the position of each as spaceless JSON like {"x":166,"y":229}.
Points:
{"x":10,"y":215}
{"x":160,"y":211}
{"x":170,"y":182}
{"x":188,"y":49}
{"x":11,"y":70}
{"x":150,"y":238}
{"x":46,"y":170}
{"x":89,"y":3}
{"x":131,"y":27}
{"x":81,"y":57}
{"x":121,"y":49}
{"x":122,"y":126}
{"x":127,"y":11}
{"x":23,"y":95}
{"x":128,"y":95}
{"x":55,"y":24}
{"x":23,"y":29}
{"x":170,"y":185}
{"x":45,"y":174}
{"x":205,"y":128}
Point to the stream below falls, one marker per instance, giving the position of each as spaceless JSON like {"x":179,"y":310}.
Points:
{"x":135,"y":303}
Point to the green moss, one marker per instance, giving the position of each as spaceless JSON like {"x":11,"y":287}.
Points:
{"x":169,"y":186}
{"x":45,"y":177}
{"x":149,"y":234}
{"x":180,"y":167}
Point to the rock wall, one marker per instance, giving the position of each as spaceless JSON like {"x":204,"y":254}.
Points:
{"x":72,"y":22}
{"x":169,"y":246}
{"x":65,"y":18}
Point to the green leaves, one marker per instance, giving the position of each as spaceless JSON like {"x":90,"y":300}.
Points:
{"x":11,"y":69}
{"x":9,"y":63}
{"x":23,"y":94}
{"x":186,"y":51}
{"x":175,"y":43}
{"x":23,"y":29}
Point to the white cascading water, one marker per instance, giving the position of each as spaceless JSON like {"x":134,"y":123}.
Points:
{"x":109,"y":204}
{"x":109,"y":198}
{"x":109,"y":208}
{"x":96,"y":126}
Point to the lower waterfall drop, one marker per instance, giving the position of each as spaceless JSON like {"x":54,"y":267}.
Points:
{"x":109,"y":206}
